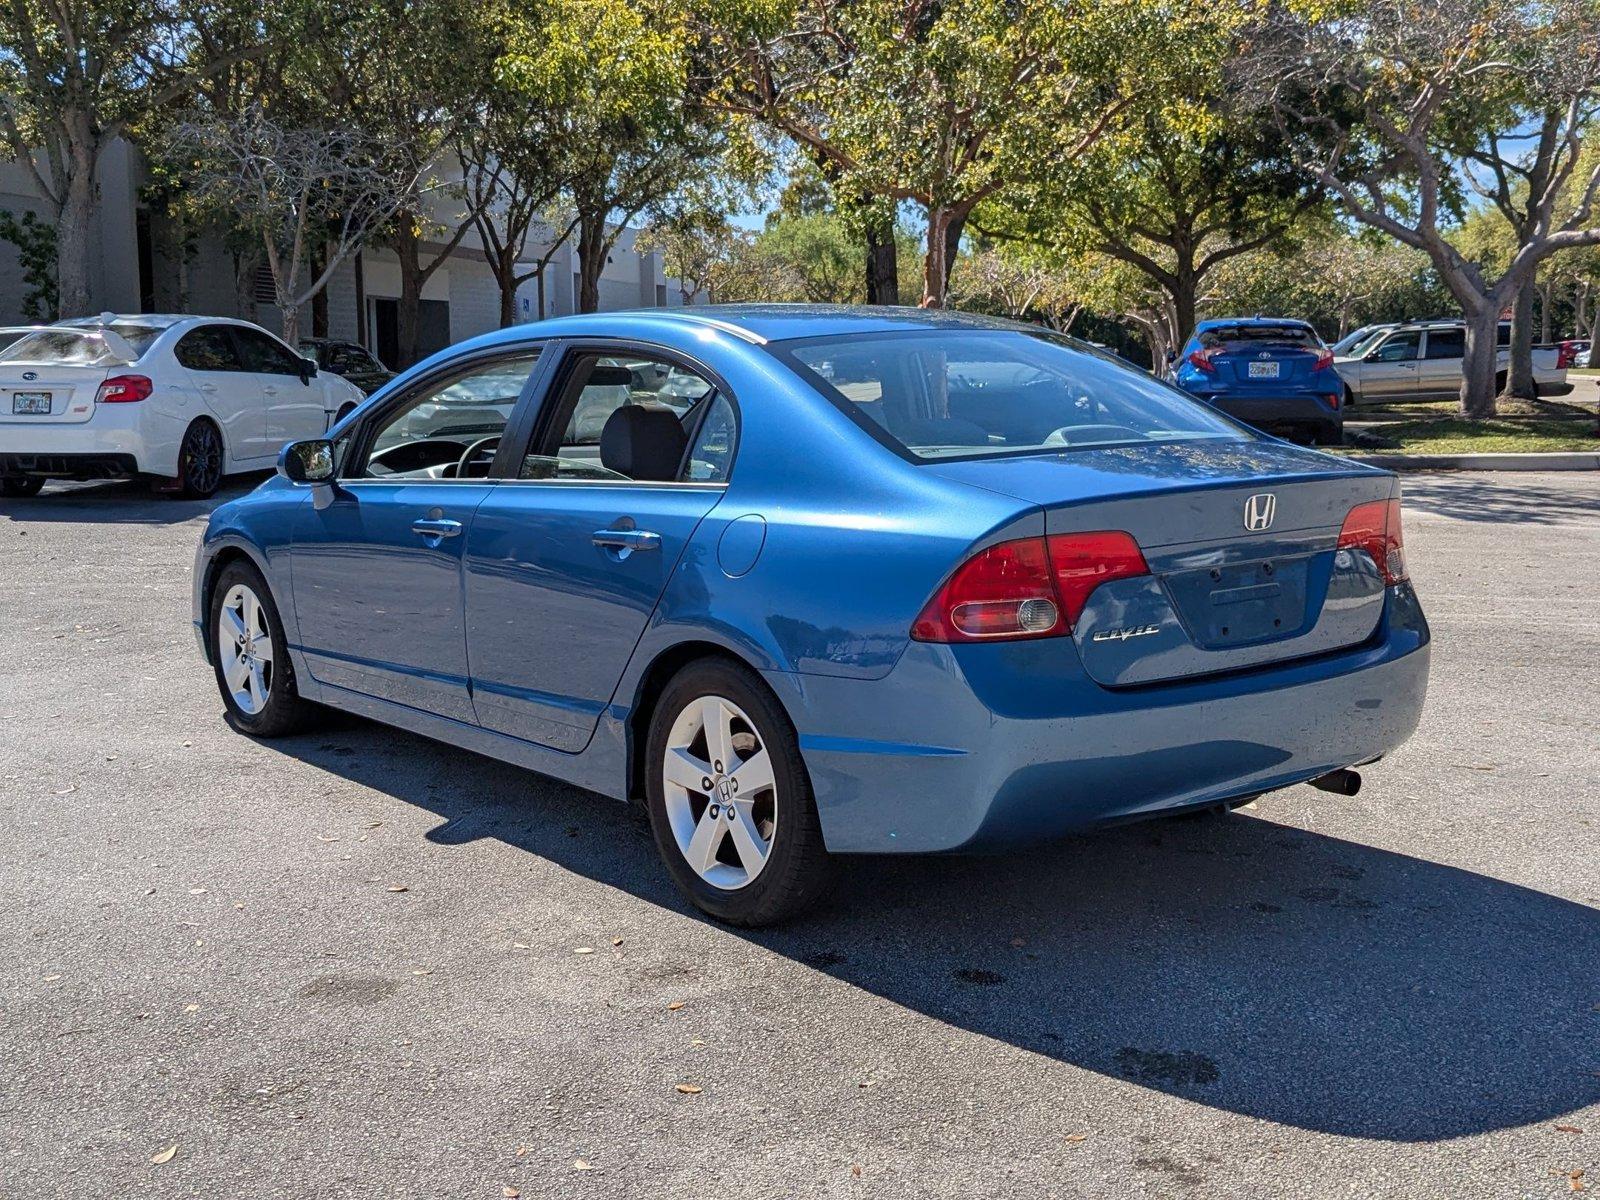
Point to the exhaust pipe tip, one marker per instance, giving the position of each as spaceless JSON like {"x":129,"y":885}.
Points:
{"x":1343,"y":782}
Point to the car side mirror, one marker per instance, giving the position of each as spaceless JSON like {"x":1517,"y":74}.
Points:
{"x":308,"y":370}
{"x":310,"y":463}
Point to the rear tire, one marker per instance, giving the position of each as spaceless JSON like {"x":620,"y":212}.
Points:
{"x":250,"y":656}
{"x":747,"y":849}
{"x":21,"y":487}
{"x":200,"y":458}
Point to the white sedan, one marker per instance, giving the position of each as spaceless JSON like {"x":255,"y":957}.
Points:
{"x":184,"y":400}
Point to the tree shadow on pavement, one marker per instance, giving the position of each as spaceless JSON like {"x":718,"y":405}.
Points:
{"x":1235,"y":962}
{"x":1471,"y":497}
{"x":118,"y":502}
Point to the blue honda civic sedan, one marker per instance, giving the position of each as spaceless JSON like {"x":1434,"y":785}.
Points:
{"x":811,"y":582}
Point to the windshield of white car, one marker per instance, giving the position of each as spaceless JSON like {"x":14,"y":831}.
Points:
{"x":64,"y":347}
{"x":975,"y":393}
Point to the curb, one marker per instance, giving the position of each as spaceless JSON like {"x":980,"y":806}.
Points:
{"x":1564,"y":461}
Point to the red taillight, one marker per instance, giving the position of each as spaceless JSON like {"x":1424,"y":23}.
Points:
{"x":1034,"y":587}
{"x":1332,"y":400}
{"x":124,"y":389}
{"x":1324,"y":361}
{"x":1566,"y":355}
{"x":1201,"y":360}
{"x":1375,"y":528}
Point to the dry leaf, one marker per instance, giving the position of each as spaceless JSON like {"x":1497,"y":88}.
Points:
{"x":1568,"y":1129}
{"x":584,"y":950}
{"x":675,"y":1006}
{"x":521,"y":946}
{"x":320,"y":838}
{"x":191,"y":1008}
{"x":423,"y":971}
{"x":399,"y":887}
{"x":509,"y":1192}
{"x":697,"y":1042}
{"x":197,"y":891}
{"x":580,"y":1165}
{"x":521,"y":1150}
{"x":165,"y":1156}
{"x":1575,"y":1180}
{"x":616,"y":941}
{"x":1075,"y":1138}
{"x":51,"y":978}
{"x":856,"y":1170}
{"x":689,"y":1089}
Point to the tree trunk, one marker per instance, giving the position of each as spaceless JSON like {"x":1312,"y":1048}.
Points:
{"x":291,"y":321}
{"x":1546,"y":305}
{"x":1185,"y":303}
{"x":1479,"y":366}
{"x":591,"y":259}
{"x":883,"y":264}
{"x":506,"y":276}
{"x":944,"y":240}
{"x":73,"y":251}
{"x":1519,"y":379}
{"x":1594,"y":338}
{"x":406,"y":245}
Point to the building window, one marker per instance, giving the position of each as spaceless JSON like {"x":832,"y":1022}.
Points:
{"x":661,"y":295}
{"x":265,"y":291}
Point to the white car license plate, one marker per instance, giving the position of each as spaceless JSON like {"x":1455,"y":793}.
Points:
{"x":32,"y":403}
{"x":1263,"y":370}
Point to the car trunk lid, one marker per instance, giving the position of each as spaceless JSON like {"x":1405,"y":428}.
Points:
{"x":48,"y":395}
{"x":1241,"y":539}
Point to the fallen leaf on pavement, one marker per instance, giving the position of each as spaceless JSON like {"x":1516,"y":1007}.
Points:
{"x":423,"y":971}
{"x":509,"y":1192}
{"x":521,"y":946}
{"x":399,"y":887}
{"x":856,"y":1170}
{"x":675,"y":1006}
{"x":580,"y":1165}
{"x":584,"y":950}
{"x":165,"y":1156}
{"x":1568,"y":1129}
{"x":51,"y":978}
{"x":191,"y":1008}
{"x":1075,"y":1138}
{"x":320,"y":838}
{"x":616,"y":941}
{"x":689,"y":1089}
{"x":197,"y":891}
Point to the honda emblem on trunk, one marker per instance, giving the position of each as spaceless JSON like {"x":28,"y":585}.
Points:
{"x":1258,"y":511}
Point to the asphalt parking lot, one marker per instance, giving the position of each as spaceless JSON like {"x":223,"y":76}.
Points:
{"x":358,"y":963}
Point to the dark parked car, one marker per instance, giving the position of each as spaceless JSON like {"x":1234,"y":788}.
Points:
{"x":1275,"y":374}
{"x":355,"y":363}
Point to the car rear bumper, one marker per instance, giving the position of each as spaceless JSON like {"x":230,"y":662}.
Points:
{"x":1015,"y":744}
{"x":70,"y":466}
{"x":1305,"y":411}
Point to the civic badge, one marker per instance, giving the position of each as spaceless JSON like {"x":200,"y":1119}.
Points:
{"x":1259,"y":510}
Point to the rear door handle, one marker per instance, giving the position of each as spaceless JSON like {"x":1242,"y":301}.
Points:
{"x":430,"y":527}
{"x":627,"y":539}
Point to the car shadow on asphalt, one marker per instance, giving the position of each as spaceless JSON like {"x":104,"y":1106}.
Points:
{"x":119,"y":502}
{"x":1233,"y":961}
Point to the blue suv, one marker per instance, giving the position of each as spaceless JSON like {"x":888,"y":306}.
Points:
{"x":1274,"y":374}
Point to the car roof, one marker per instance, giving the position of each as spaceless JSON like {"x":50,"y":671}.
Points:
{"x":754,"y":323}
{"x":1248,"y":322}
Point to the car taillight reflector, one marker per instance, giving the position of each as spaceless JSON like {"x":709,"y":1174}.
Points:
{"x":1375,"y":528}
{"x":1566,"y":355}
{"x":1029,"y":588}
{"x":1324,"y":361}
{"x":124,"y":389}
{"x":1201,"y":359}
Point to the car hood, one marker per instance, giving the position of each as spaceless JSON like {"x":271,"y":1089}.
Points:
{"x":1087,"y":475}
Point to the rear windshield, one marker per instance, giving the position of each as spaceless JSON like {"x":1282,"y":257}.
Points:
{"x":1229,"y":336}
{"x":974,"y":393}
{"x":77,"y":348}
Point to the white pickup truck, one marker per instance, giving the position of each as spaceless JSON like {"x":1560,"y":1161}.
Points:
{"x":1421,"y":360}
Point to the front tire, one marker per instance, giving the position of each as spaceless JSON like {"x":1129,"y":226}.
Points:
{"x":200,"y":459}
{"x":250,"y":656}
{"x":21,"y":487}
{"x":729,"y":799}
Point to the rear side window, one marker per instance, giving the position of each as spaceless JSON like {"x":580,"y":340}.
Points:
{"x":1288,"y":334}
{"x":1447,"y":343}
{"x":1401,"y":347}
{"x":208,"y":348}
{"x":971,"y":393}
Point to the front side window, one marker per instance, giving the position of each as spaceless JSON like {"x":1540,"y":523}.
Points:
{"x":450,"y":429}
{"x":1401,"y":347}
{"x":264,"y":356}
{"x":208,"y":348}
{"x":968,"y":393}
{"x":626,"y":417}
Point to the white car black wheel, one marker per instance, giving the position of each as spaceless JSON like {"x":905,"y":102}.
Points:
{"x":21,"y":486}
{"x":730,"y":802}
{"x":200,"y":461}
{"x":250,"y":655}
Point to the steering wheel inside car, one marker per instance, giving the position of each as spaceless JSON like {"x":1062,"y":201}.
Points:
{"x":472,"y":451}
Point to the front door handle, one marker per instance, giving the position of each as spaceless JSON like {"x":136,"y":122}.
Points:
{"x":430,"y":527}
{"x":627,"y":539}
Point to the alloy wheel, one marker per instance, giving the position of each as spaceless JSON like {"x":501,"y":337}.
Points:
{"x":244,"y":648}
{"x":721,"y":799}
{"x":202,"y":458}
